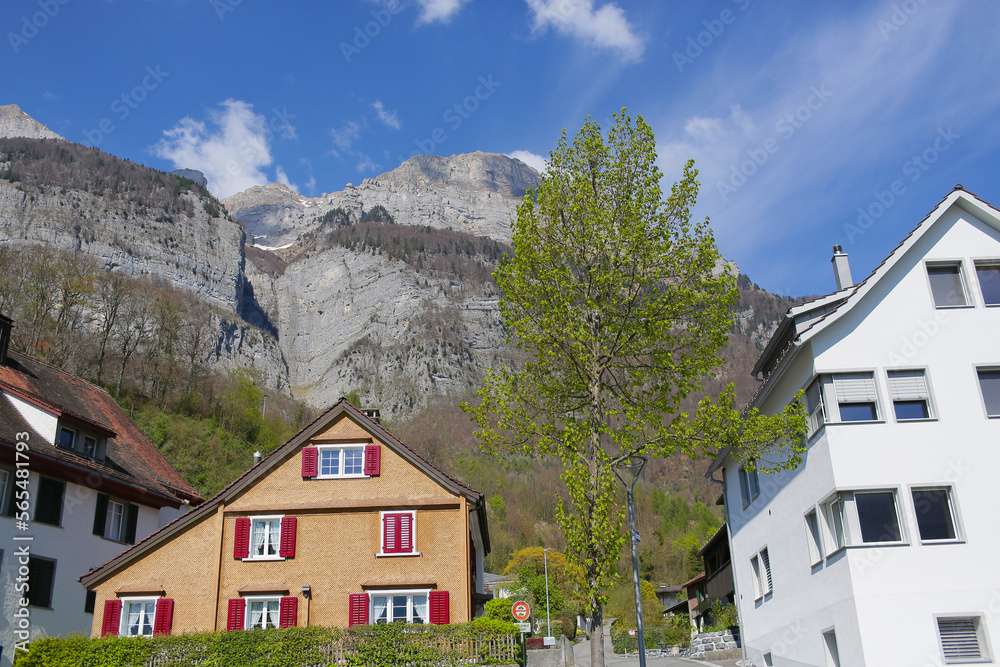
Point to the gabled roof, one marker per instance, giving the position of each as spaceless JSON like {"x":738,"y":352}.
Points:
{"x":804,"y":322}
{"x":131,"y":459}
{"x":273,"y":460}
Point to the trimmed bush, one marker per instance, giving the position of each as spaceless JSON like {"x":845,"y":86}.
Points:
{"x":481,"y":642}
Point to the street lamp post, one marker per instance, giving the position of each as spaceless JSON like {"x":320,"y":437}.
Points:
{"x":548,"y":618}
{"x":628,"y":472}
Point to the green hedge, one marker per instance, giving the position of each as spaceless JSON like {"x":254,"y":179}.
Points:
{"x":481,"y":642}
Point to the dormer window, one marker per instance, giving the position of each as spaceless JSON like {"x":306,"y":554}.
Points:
{"x":66,"y":438}
{"x":90,"y":445}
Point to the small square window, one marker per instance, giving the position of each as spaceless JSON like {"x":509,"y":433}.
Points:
{"x":89,"y":446}
{"x":877,"y":516}
{"x":265,"y":537}
{"x":947,"y":286}
{"x":138,"y":615}
{"x":263,"y":613}
{"x":66,"y":438}
{"x":856,"y":396}
{"x":962,"y":639}
{"x":910,"y":394}
{"x":935,"y":515}
{"x":989,"y":282}
{"x":989,"y":384}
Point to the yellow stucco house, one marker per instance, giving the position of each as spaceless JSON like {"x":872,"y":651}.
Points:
{"x":341,"y":525}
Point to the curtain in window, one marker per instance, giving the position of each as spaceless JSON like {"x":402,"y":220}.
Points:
{"x":256,"y":614}
{"x":140,"y":618}
{"x":420,"y":609}
{"x":380,"y":604}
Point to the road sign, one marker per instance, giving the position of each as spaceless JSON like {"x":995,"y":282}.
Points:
{"x":523,"y":627}
{"x":521,"y":611}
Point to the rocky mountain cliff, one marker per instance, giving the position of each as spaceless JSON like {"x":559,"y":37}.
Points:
{"x":382,"y":288}
{"x":16,"y":123}
{"x":476,"y":193}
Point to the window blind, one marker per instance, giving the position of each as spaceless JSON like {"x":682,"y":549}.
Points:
{"x":960,"y":639}
{"x":908,"y":386}
{"x":857,"y":388}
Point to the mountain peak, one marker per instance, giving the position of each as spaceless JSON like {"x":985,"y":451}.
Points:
{"x":15,"y":123}
{"x":475,"y":171}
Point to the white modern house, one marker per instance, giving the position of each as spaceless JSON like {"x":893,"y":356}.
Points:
{"x":882,"y":548}
{"x":79,"y":484}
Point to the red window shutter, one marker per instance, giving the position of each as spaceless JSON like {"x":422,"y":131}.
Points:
{"x":287,"y":548}
{"x":405,"y":533}
{"x":373,"y":459}
{"x":112,"y":617}
{"x":237,"y":609}
{"x":440,"y":610}
{"x":241,"y":547}
{"x":358,"y":613}
{"x":390,"y":533}
{"x":309,"y":466}
{"x":288,"y":612}
{"x":164,"y":617}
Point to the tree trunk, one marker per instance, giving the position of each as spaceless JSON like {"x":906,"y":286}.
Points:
{"x":596,"y":636}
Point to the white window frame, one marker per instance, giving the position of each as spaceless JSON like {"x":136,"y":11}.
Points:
{"x":956,"y":522}
{"x":413,"y":534}
{"x":123,"y":622}
{"x":763,"y":580}
{"x":844,"y":376}
{"x":122,"y":521}
{"x":816,"y":413}
{"x":277,"y":546}
{"x":959,"y":265}
{"x":842,"y":505}
{"x":250,"y":599}
{"x":409,"y":592}
{"x":826,"y":409}
{"x":909,"y":394}
{"x":341,"y":448}
{"x":814,"y":536}
{"x":981,"y":635}
{"x":986,"y":263}
{"x":989,"y":368}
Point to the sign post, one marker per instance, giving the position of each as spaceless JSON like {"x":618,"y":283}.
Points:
{"x":521,"y":611}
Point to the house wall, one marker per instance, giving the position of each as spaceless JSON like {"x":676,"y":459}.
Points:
{"x":870,"y":594}
{"x":75,"y":549}
{"x":338,"y":536}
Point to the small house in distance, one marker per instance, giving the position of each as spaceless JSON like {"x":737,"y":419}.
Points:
{"x":341,"y":525}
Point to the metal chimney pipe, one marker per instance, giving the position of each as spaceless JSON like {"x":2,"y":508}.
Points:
{"x":841,"y":268}
{"x":257,"y":456}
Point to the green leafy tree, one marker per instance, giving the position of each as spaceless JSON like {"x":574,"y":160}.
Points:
{"x":565,"y":579}
{"x":611,"y":293}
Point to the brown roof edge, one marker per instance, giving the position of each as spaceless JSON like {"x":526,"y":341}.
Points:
{"x":259,"y":470}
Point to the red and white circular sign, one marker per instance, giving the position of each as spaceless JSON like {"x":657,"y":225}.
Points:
{"x":521,"y":611}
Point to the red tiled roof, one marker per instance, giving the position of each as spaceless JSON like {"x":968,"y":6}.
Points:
{"x":130,"y":457}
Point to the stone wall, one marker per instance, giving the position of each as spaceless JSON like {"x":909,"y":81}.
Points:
{"x":709,"y":645}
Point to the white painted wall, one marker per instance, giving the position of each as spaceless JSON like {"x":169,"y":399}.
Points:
{"x":75,"y":549}
{"x":882,"y":601}
{"x":43,"y":421}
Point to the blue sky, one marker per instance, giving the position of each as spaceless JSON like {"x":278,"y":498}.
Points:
{"x":812,"y":124}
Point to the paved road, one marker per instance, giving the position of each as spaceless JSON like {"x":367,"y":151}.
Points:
{"x":581,"y":656}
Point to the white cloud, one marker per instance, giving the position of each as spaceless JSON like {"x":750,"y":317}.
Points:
{"x":282,"y":177}
{"x":533,"y":160}
{"x":345,"y":137}
{"x":390,"y":118}
{"x":439,"y":10}
{"x":231,"y":154}
{"x":365,"y":163}
{"x":605,"y":27}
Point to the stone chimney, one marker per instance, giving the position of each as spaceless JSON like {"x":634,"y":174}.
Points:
{"x":373,"y":413}
{"x":6,"y":324}
{"x":841,"y":269}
